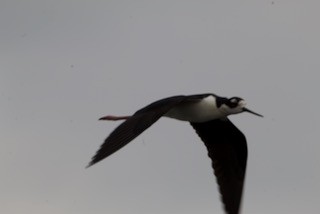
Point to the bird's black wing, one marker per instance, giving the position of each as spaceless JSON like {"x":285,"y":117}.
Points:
{"x":137,"y":123}
{"x":227,"y":148}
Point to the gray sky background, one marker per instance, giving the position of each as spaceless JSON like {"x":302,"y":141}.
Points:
{"x":64,"y":64}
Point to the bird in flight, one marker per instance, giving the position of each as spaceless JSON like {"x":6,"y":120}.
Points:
{"x":208,"y":115}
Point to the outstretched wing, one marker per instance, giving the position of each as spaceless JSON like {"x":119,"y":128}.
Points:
{"x":227,"y":148}
{"x":135,"y":125}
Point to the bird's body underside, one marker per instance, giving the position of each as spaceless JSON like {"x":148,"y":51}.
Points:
{"x":200,"y":111}
{"x":207,"y":113}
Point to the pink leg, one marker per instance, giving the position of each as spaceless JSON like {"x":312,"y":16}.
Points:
{"x":112,"y":117}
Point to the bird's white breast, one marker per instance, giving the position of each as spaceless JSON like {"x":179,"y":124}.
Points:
{"x":202,"y":111}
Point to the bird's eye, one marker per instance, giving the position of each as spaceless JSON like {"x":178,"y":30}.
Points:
{"x":233,"y":101}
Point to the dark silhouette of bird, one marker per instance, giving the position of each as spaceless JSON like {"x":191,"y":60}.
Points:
{"x":208,"y":115}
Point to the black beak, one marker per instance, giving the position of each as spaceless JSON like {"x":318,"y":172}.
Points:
{"x":247,"y":110}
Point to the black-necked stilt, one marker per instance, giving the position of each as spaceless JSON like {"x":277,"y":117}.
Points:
{"x":207,"y":114}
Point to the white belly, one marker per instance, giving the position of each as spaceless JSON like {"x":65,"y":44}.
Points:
{"x":202,"y":111}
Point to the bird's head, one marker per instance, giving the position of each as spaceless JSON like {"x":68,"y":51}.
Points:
{"x":235,"y":105}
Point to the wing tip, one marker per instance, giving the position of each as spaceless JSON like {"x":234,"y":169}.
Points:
{"x":90,"y":164}
{"x":93,"y":161}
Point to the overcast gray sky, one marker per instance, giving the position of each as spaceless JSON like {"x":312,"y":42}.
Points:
{"x":64,"y":64}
